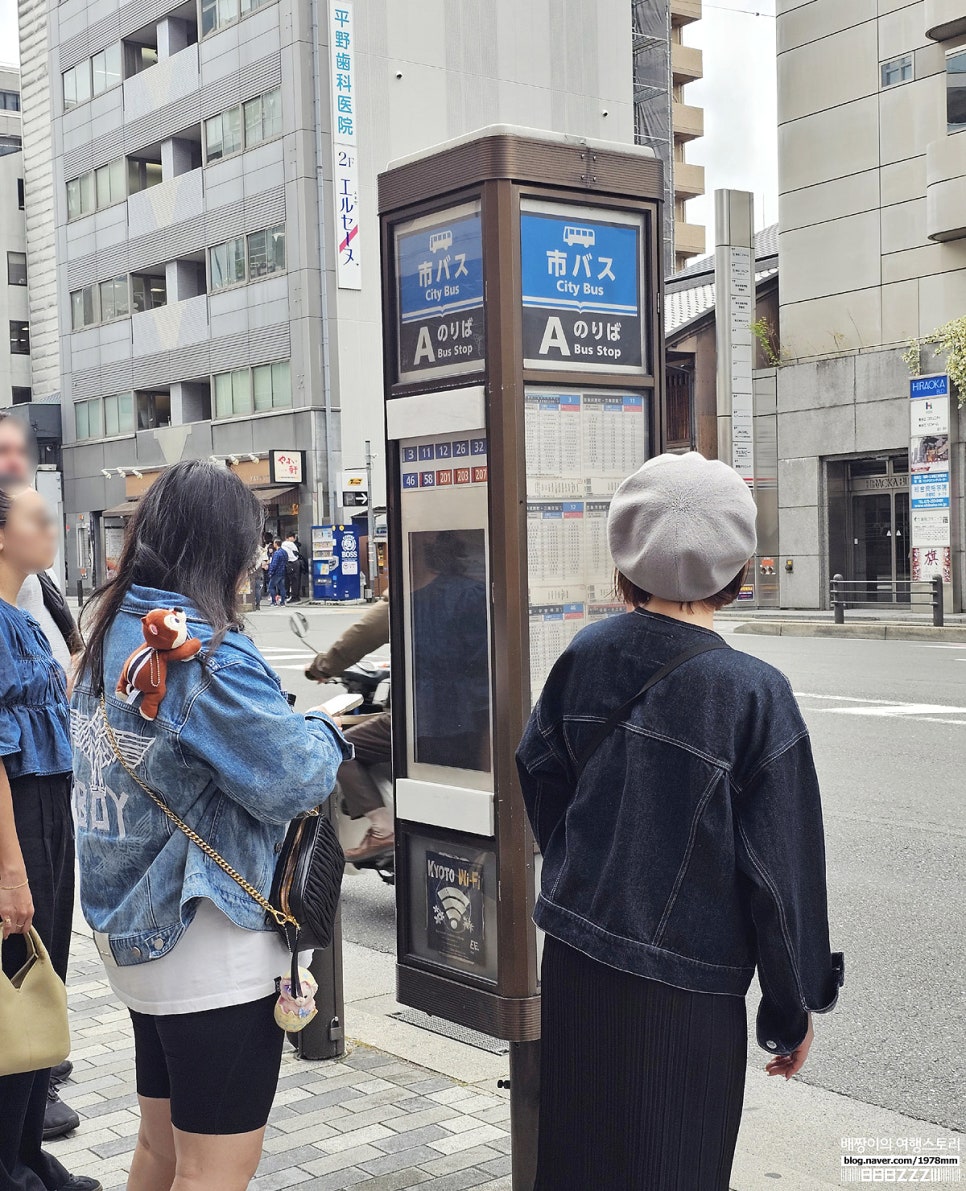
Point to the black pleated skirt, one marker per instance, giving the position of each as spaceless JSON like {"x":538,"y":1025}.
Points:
{"x":641,"y":1083}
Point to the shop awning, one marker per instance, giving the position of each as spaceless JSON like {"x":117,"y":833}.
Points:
{"x":124,"y":509}
{"x":275,"y":496}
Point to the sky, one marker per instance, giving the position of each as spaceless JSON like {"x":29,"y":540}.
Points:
{"x":737,"y":93}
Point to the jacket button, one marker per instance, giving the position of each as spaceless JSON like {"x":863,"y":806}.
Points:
{"x":158,"y":943}
{"x":771,"y":1045}
{"x":136,"y":952}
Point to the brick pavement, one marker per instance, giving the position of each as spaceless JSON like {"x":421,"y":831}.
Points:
{"x":370,"y":1121}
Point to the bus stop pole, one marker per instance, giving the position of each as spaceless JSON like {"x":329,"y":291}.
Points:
{"x":524,"y":1112}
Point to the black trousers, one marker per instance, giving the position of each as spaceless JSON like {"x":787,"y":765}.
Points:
{"x":641,"y":1083}
{"x":373,"y":743}
{"x":41,"y":807}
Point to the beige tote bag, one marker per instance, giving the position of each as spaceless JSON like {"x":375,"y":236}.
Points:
{"x":33,"y":1014}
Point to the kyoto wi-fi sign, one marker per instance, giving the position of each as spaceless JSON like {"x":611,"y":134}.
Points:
{"x":439,"y":270}
{"x":581,"y":274}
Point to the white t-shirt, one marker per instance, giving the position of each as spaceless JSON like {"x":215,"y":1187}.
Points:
{"x":31,"y":599}
{"x":291,"y":550}
{"x":214,"y":963}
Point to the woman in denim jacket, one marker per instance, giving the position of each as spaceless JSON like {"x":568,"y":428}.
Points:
{"x":682,"y":840}
{"x":185,"y":948}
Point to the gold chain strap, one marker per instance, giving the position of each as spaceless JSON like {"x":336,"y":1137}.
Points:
{"x":280,"y":916}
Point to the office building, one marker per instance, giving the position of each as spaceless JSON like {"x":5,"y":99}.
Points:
{"x":872,"y":248}
{"x":213,"y":182}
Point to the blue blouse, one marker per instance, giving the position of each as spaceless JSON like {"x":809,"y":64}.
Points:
{"x":34,"y":713}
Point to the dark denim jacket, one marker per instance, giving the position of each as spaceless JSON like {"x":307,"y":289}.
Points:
{"x":692,"y":847}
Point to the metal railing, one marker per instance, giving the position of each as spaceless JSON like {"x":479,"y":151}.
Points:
{"x":871,"y":593}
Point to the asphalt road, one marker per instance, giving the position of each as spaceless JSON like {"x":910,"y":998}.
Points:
{"x":888,"y":727}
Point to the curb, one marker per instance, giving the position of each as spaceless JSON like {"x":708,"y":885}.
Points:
{"x":864,"y":632}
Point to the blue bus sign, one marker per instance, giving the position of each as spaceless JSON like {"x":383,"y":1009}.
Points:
{"x":439,"y":263}
{"x":581,"y":271}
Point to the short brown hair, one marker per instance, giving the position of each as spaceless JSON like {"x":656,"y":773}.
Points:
{"x":630,"y":593}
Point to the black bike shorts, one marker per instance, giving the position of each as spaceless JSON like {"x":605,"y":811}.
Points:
{"x":219,"y":1068}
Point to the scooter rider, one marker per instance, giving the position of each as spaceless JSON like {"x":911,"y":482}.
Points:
{"x":371,"y":735}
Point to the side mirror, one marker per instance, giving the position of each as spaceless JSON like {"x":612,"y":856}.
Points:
{"x":299,"y":625}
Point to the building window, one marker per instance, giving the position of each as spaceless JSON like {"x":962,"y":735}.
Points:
{"x":87,"y":419}
{"x":142,"y":174}
{"x":119,"y":414}
{"x":106,"y":69}
{"x":898,"y":70}
{"x":19,"y":338}
{"x":77,"y":84}
{"x":16,"y":268}
{"x":100,"y":303}
{"x":109,"y":184}
{"x":267,"y":386}
{"x":271,"y":386}
{"x":263,"y":118}
{"x":223,"y":135}
{"x":20,"y":194}
{"x":80,"y":196}
{"x":227,"y":263}
{"x":10,"y":101}
{"x":238,"y":261}
{"x":215,"y":14}
{"x":149,"y":292}
{"x":9,"y":143}
{"x":93,"y":76}
{"x":243,"y":127}
{"x":154,"y":410}
{"x":956,"y":91}
{"x":266,"y":252}
{"x":20,"y":394}
{"x":114,"y":299}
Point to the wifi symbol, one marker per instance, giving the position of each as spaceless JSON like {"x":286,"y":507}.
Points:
{"x":456,"y":905}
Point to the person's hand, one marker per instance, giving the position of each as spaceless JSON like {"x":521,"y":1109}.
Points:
{"x":788,"y":1065}
{"x":16,"y":908}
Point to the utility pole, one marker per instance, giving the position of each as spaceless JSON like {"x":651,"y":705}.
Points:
{"x":370,"y":523}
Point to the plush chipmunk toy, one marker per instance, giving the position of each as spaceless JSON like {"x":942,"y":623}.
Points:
{"x":145,"y":671}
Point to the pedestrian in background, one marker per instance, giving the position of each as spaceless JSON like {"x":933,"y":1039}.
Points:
{"x":36,"y":828}
{"x":192,"y":956}
{"x":683,"y":845}
{"x":292,"y":570}
{"x":277,"y":569}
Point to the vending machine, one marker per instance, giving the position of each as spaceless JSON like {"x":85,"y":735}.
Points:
{"x":335,"y":563}
{"x":524,"y":372}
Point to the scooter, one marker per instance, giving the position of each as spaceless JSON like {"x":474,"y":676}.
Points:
{"x":368,"y":682}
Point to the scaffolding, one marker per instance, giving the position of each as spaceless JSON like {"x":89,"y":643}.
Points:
{"x":651,"y":47}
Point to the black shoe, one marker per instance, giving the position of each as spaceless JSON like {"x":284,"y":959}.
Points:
{"x":60,"y":1119}
{"x":62,"y":1072}
{"x":78,"y":1182}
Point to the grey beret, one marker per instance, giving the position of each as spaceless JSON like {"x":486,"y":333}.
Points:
{"x":682,"y":526}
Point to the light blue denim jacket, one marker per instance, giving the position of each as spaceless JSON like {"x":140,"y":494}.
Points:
{"x":227,"y":754}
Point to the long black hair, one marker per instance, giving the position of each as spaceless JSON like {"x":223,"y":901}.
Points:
{"x":195,"y":533}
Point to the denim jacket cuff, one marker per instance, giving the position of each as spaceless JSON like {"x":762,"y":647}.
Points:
{"x":781,"y":1033}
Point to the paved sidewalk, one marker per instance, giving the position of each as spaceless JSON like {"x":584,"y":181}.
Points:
{"x":370,"y":1121}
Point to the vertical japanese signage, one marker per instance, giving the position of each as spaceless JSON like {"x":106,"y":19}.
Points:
{"x":929,"y":477}
{"x":439,"y":277}
{"x":345,"y":174}
{"x":739,"y":308}
{"x":581,"y":273}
